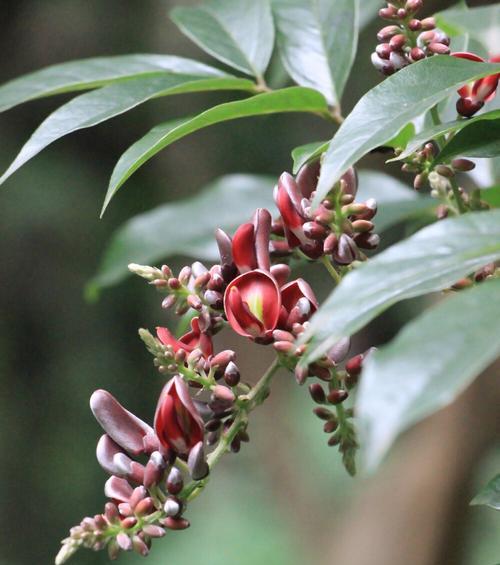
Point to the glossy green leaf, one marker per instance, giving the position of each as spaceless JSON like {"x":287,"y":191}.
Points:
{"x":489,"y":495}
{"x":384,"y":110}
{"x":443,"y":129}
{"x":240,"y":34}
{"x":185,"y":227}
{"x":307,"y":153}
{"x":311,"y":151}
{"x":294,"y":99}
{"x":431,"y":260}
{"x":431,"y":361}
{"x":482,"y":23}
{"x":396,"y":201}
{"x":95,"y":107}
{"x":92,"y":73}
{"x":480,"y":139}
{"x":317,"y":40}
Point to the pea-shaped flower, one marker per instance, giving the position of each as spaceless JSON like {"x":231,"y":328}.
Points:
{"x":252,"y":303}
{"x":195,"y":339}
{"x":178,"y":423}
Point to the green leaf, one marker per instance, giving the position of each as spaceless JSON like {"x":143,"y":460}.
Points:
{"x":369,"y":12}
{"x":431,"y":260}
{"x":185,"y":227}
{"x":489,"y":495}
{"x":477,"y":140}
{"x":92,"y":73}
{"x":240,"y":34}
{"x":431,"y":361}
{"x":443,"y":129}
{"x":396,"y":201}
{"x":307,"y":153}
{"x":402,"y":138}
{"x":384,"y":110}
{"x":294,"y":99}
{"x":95,"y":107}
{"x":491,"y":196}
{"x":317,"y":40}
{"x":482,"y":23}
{"x":311,"y":151}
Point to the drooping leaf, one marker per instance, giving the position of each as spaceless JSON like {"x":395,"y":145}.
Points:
{"x":384,"y":110}
{"x":294,"y":99}
{"x":306,"y":153}
{"x":185,"y":227}
{"x":396,"y":201}
{"x":442,"y":129}
{"x":477,"y":140}
{"x":92,"y":73}
{"x":431,"y":260}
{"x":489,"y":495}
{"x":95,"y":107}
{"x":431,"y":361}
{"x":482,"y":23}
{"x":317,"y":40}
{"x":240,"y":34}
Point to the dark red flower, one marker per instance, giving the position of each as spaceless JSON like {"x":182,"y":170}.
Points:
{"x":474,"y":94}
{"x":195,"y":339}
{"x":252,"y":303}
{"x":178,"y":423}
{"x":288,"y":198}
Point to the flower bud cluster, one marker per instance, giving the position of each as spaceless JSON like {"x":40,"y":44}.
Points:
{"x":408,"y":39}
{"x":339,"y":228}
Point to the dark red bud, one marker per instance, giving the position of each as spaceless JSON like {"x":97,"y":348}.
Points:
{"x":231,"y":374}
{"x":197,"y":464}
{"x":175,"y":523}
{"x":330,"y":426}
{"x":317,"y":393}
{"x":174,"y":481}
{"x":397,"y":42}
{"x":323,"y":413}
{"x":337,"y":396}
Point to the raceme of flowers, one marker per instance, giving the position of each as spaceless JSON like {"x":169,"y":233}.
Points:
{"x":202,"y":411}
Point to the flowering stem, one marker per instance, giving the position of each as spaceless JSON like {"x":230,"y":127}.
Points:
{"x":331,"y":269}
{"x":247,"y":403}
{"x":458,"y":197}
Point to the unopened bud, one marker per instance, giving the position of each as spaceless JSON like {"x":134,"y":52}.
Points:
{"x":175,"y":523}
{"x":197,"y":464}
{"x":174,"y":481}
{"x":383,"y":50}
{"x":330,"y":426}
{"x":463,"y":165}
{"x":317,"y":393}
{"x":124,"y":542}
{"x":223,"y":358}
{"x":438,"y":48}
{"x":323,"y":413}
{"x":417,"y":54}
{"x":397,"y":42}
{"x":337,"y":396}
{"x":172,"y":507}
{"x":153,"y":531}
{"x":231,"y":374}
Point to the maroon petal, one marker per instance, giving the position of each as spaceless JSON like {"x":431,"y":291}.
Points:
{"x":262,"y":230}
{"x":243,"y":247}
{"x":121,"y":425}
{"x":307,"y":178}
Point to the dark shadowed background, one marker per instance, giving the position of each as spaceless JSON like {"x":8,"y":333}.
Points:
{"x":284,"y":500}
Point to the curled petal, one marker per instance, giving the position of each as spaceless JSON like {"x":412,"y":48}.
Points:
{"x":307,"y":178}
{"x":292,"y":292}
{"x":243,"y":248}
{"x":177,"y":422}
{"x":111,"y":457}
{"x":195,"y":339}
{"x":262,"y":229}
{"x":121,"y":425}
{"x":288,"y":199}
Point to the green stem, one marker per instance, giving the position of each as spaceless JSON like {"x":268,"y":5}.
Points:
{"x":331,"y":269}
{"x":458,"y":197}
{"x":254,"y":398}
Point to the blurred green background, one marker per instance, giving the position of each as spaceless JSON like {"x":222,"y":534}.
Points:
{"x":284,"y":500}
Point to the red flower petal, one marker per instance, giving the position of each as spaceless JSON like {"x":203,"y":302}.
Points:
{"x":244,"y":255}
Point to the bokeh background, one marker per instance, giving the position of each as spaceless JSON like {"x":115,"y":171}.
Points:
{"x":284,"y":500}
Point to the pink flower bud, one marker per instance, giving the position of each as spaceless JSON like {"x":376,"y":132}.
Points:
{"x":252,"y":304}
{"x":118,"y":489}
{"x":178,"y":423}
